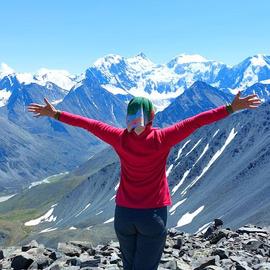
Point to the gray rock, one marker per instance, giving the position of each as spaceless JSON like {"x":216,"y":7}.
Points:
{"x":248,"y":230}
{"x":262,"y":266}
{"x":222,"y":253}
{"x":90,"y":263}
{"x":170,"y":265}
{"x":22,"y":261}
{"x":252,"y":244}
{"x":32,"y":244}
{"x":181,"y":265}
{"x":217,"y":237}
{"x":204,"y":262}
{"x":68,"y":249}
{"x":1,"y":254}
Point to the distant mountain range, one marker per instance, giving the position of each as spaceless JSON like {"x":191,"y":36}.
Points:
{"x":219,"y":171}
{"x":138,"y":75}
{"x":178,"y":89}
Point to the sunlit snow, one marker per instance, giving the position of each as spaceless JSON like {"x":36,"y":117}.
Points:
{"x":5,"y":70}
{"x":203,"y":228}
{"x":47,"y":217}
{"x":48,"y":230}
{"x":188,"y":217}
{"x":4,"y":96}
{"x":7,"y":197}
{"x":169,"y":170}
{"x":180,"y":150}
{"x":186,"y":58}
{"x":215,"y":133}
{"x":46,"y":180}
{"x":180,"y":182}
{"x":114,"y":90}
{"x":201,"y":155}
{"x":83,"y":209}
{"x":173,"y":208}
{"x":112,"y":197}
{"x":193,"y":147}
{"x":109,"y":220}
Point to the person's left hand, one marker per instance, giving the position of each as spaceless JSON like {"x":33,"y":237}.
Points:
{"x":248,"y":102}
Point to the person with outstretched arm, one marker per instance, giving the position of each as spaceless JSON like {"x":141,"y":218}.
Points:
{"x":143,"y":195}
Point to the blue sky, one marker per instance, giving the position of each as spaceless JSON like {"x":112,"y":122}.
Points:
{"x":73,"y":34}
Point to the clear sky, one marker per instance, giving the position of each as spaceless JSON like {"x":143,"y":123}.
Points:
{"x":72,"y":34}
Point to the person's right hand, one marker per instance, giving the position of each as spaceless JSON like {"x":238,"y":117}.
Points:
{"x":42,"y":110}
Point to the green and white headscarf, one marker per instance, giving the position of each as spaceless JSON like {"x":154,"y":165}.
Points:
{"x":140,"y":112}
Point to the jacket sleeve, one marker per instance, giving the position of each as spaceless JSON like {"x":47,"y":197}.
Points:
{"x":105,"y":132}
{"x":174,"y":134}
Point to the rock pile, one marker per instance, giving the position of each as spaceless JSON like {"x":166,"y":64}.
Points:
{"x":244,"y":249}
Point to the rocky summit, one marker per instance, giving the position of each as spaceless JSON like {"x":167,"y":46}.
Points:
{"x":245,"y":248}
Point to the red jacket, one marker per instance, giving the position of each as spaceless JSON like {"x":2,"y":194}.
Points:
{"x":143,"y":182}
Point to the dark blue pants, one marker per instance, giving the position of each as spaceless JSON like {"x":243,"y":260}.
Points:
{"x":142,"y":236}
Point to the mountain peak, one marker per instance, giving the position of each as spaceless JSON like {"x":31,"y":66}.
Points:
{"x":258,"y":60}
{"x":190,"y":58}
{"x":108,"y":59}
{"x":5,"y":70}
{"x":141,"y":55}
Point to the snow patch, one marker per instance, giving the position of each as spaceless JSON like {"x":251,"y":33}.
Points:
{"x":48,"y":230}
{"x":181,"y":149}
{"x":169,"y":170}
{"x":188,"y":217}
{"x":203,"y":152}
{"x":112,"y":197}
{"x":83,"y":209}
{"x":5,"y":70}
{"x":265,"y":81}
{"x":4,"y":97}
{"x":57,"y":101}
{"x":215,"y":133}
{"x":117,"y":186}
{"x":46,"y":180}
{"x":47,"y":217}
{"x":173,"y":208}
{"x":109,"y":220}
{"x":204,"y":228}
{"x":193,"y":147}
{"x":6,"y":197}
{"x":114,"y":89}
{"x":180,"y":182}
{"x":258,"y":60}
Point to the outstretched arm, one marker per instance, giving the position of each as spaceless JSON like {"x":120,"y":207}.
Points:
{"x":105,"y":132}
{"x":174,"y":134}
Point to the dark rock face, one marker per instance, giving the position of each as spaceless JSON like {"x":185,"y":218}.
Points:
{"x":247,"y":249}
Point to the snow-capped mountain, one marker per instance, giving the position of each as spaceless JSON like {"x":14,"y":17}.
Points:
{"x":61,"y":78}
{"x":9,"y":80}
{"x":90,"y":99}
{"x":191,"y":68}
{"x":102,"y":93}
{"x":250,"y":71}
{"x":139,"y":76}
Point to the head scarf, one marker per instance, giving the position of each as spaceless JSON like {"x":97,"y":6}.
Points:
{"x":140,"y":112}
